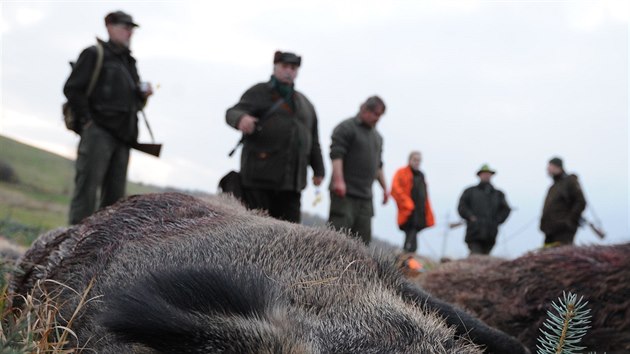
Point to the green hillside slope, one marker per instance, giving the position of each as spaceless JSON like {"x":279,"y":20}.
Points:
{"x":38,"y":197}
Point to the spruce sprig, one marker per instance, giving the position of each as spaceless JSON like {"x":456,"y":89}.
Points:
{"x":566,"y":326}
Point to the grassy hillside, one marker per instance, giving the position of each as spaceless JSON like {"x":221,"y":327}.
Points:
{"x":38,"y":197}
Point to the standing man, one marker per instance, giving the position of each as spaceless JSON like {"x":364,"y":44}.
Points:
{"x":356,"y":154}
{"x":563,"y":206}
{"x":409,"y":190}
{"x":484,"y":208}
{"x":281,"y":139}
{"x":108,"y":122}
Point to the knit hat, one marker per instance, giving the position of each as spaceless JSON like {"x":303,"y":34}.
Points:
{"x":485,"y":168}
{"x":556,"y":161}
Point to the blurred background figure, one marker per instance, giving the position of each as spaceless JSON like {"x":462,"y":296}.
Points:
{"x":484,"y":208}
{"x":409,"y":190}
{"x":563,"y":206}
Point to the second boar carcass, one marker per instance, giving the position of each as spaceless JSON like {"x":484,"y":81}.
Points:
{"x":515,"y":295}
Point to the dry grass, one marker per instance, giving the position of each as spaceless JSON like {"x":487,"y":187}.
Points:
{"x":37,"y":326}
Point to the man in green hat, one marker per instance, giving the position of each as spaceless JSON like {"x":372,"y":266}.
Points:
{"x":484,"y":208}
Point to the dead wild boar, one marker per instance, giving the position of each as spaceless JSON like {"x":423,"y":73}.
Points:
{"x":177,"y":274}
{"x":515,"y":295}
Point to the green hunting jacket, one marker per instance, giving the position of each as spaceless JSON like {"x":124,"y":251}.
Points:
{"x":286,"y":140}
{"x":563,"y":206}
{"x":361,"y":149}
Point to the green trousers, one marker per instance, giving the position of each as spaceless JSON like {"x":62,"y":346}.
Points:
{"x":353,"y":214}
{"x":101,"y":166}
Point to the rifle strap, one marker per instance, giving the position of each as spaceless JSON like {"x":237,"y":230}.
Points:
{"x":272,"y":109}
{"x":133,"y":84}
{"x":146,"y":122}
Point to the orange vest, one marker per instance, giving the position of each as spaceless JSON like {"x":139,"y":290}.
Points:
{"x":401,"y":192}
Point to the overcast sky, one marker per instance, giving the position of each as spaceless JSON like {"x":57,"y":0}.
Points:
{"x":510,"y":83}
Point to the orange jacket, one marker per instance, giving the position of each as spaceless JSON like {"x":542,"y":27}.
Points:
{"x":401,"y":192}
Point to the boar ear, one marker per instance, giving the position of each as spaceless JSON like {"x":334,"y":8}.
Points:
{"x":466,"y":326}
{"x":197,"y":310}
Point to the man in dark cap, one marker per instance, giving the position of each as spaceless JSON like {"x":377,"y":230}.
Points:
{"x":281,"y":139}
{"x":105,"y":95}
{"x":356,"y":153}
{"x":563,"y":206}
{"x":484,"y":208}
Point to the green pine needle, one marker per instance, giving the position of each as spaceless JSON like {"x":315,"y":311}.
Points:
{"x":565,"y":327}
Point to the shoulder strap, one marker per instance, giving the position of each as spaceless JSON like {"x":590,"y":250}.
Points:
{"x":97,"y":68}
{"x":273,"y":108}
{"x":261,"y":121}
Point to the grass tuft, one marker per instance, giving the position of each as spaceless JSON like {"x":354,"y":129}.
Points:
{"x":36,"y":326}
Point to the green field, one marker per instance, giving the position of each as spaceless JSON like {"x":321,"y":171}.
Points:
{"x":38,"y":198}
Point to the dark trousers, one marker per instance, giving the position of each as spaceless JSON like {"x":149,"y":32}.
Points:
{"x":353,"y":214}
{"x":101,"y":163}
{"x":411,"y":239}
{"x":480,"y":247}
{"x":558,"y":239}
{"x":283,"y":205}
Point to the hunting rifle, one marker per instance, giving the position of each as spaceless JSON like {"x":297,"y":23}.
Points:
{"x":596,"y":230}
{"x":261,"y":121}
{"x":151,"y":149}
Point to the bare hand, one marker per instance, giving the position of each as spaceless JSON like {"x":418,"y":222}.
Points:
{"x":247,"y":124}
{"x":145,"y":89}
{"x":385,"y":197}
{"x":148,"y":92}
{"x":339,"y":188}
{"x":317,"y":180}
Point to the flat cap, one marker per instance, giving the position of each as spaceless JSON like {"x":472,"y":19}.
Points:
{"x":119,"y":17}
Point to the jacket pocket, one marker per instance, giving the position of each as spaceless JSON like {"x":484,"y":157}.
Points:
{"x":267,"y":167}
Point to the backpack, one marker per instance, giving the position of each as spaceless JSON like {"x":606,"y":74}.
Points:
{"x":69,"y":118}
{"x":231,"y":183}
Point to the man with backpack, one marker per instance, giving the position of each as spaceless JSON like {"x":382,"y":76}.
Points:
{"x":104,"y":95}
